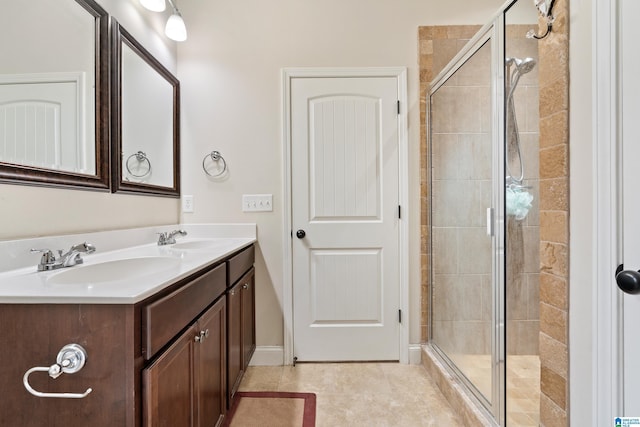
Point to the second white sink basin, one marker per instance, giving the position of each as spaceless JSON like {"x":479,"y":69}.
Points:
{"x":109,"y":271}
{"x":199,"y":244}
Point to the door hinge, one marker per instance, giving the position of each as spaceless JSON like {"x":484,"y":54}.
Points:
{"x":399,"y":316}
{"x":399,"y":212}
{"x":398,"y":104}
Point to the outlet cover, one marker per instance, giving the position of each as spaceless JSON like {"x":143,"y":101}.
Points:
{"x":187,"y":204}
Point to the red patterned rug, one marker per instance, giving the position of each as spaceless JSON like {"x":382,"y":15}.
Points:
{"x":272,"y":409}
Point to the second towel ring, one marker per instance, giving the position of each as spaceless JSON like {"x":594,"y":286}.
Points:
{"x":140,"y":156}
{"x":215,"y":156}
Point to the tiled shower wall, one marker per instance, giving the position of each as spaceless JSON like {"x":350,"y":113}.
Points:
{"x":523,"y":236}
{"x":456,"y":159}
{"x":461,"y":149}
{"x":438,"y":45}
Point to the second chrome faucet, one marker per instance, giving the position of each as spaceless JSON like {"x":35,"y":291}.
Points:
{"x":169,"y":237}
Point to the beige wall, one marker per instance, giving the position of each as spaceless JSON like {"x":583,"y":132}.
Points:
{"x":230,"y":70}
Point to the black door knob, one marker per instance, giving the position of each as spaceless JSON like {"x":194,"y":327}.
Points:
{"x":628,"y":280}
{"x":300,"y":234}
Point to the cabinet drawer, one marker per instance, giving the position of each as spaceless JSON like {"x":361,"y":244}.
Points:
{"x":240,"y":264}
{"x":164,"y":318}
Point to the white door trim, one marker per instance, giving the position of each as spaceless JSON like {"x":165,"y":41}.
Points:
{"x":400,"y":73}
{"x":607,"y":300}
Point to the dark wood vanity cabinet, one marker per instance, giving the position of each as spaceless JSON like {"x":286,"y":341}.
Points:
{"x":165,"y":361}
{"x":241,"y":341}
{"x":185,"y":385}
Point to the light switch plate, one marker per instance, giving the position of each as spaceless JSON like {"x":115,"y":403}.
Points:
{"x":257,"y":203}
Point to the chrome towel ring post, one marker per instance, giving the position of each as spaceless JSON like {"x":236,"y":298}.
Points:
{"x":216,"y":158}
{"x":141,"y":157}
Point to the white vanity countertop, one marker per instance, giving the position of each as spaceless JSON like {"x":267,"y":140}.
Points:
{"x":204,"y":245}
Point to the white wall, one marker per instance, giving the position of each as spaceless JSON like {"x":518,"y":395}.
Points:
{"x":231,"y":102}
{"x":582,"y":282}
{"x":36,"y":211}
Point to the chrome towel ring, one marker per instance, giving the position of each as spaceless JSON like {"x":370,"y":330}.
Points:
{"x":141,"y":157}
{"x":216,"y":158}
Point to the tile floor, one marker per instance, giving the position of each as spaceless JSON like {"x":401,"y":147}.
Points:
{"x":360,"y":394}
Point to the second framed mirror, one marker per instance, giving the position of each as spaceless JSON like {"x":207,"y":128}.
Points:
{"x":145,"y":120}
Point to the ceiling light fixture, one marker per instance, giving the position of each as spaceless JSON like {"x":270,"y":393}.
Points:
{"x":545,"y":8}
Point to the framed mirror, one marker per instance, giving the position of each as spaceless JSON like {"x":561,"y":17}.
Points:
{"x":145,"y":120}
{"x":54,"y":94}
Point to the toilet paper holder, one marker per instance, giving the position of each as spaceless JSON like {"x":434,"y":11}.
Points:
{"x":71,"y":358}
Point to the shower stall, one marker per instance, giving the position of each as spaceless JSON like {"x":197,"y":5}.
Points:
{"x":484,"y":224}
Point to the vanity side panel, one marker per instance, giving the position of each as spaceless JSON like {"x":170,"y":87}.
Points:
{"x":37,"y":332}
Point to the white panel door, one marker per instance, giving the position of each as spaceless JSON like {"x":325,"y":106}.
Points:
{"x":344,"y":169}
{"x":630,"y":233}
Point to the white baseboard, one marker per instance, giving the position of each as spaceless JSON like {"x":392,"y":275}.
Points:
{"x":415,"y":354}
{"x":268,"y":355}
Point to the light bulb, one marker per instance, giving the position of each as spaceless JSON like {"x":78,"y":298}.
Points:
{"x":175,"y":29}
{"x":154,"y":5}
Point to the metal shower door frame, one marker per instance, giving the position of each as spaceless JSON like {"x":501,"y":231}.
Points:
{"x":494,"y":33}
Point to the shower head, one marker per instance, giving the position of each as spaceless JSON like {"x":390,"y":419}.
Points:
{"x":524,"y":65}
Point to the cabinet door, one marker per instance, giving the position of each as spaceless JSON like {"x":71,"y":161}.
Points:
{"x":248,"y":317}
{"x":210,"y":365}
{"x":168,"y":385}
{"x":234,"y":339}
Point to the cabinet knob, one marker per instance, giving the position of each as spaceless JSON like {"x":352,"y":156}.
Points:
{"x":202,"y":335}
{"x":245,"y":286}
{"x":232,"y":292}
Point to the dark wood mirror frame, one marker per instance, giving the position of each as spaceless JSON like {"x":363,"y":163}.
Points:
{"x":120,"y":36}
{"x":28,"y":175}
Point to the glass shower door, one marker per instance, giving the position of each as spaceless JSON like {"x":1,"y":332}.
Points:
{"x":463,"y":244}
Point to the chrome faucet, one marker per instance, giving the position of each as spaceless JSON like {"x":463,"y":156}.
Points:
{"x":72,"y":257}
{"x":169,"y":237}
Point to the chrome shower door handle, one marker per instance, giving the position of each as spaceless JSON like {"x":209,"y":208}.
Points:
{"x":490,"y":222}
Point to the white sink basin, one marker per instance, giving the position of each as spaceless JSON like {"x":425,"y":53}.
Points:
{"x":109,"y":271}
{"x":199,"y":244}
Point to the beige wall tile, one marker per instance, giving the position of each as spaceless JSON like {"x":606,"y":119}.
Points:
{"x":554,"y":226}
{"x":554,"y":97}
{"x":554,"y":162}
{"x":553,"y":290}
{"x":554,"y":259}
{"x":555,"y":386}
{"x":554,"y":194}
{"x":554,"y":130}
{"x":551,"y":415}
{"x":553,"y":322}
{"x":553,"y":354}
